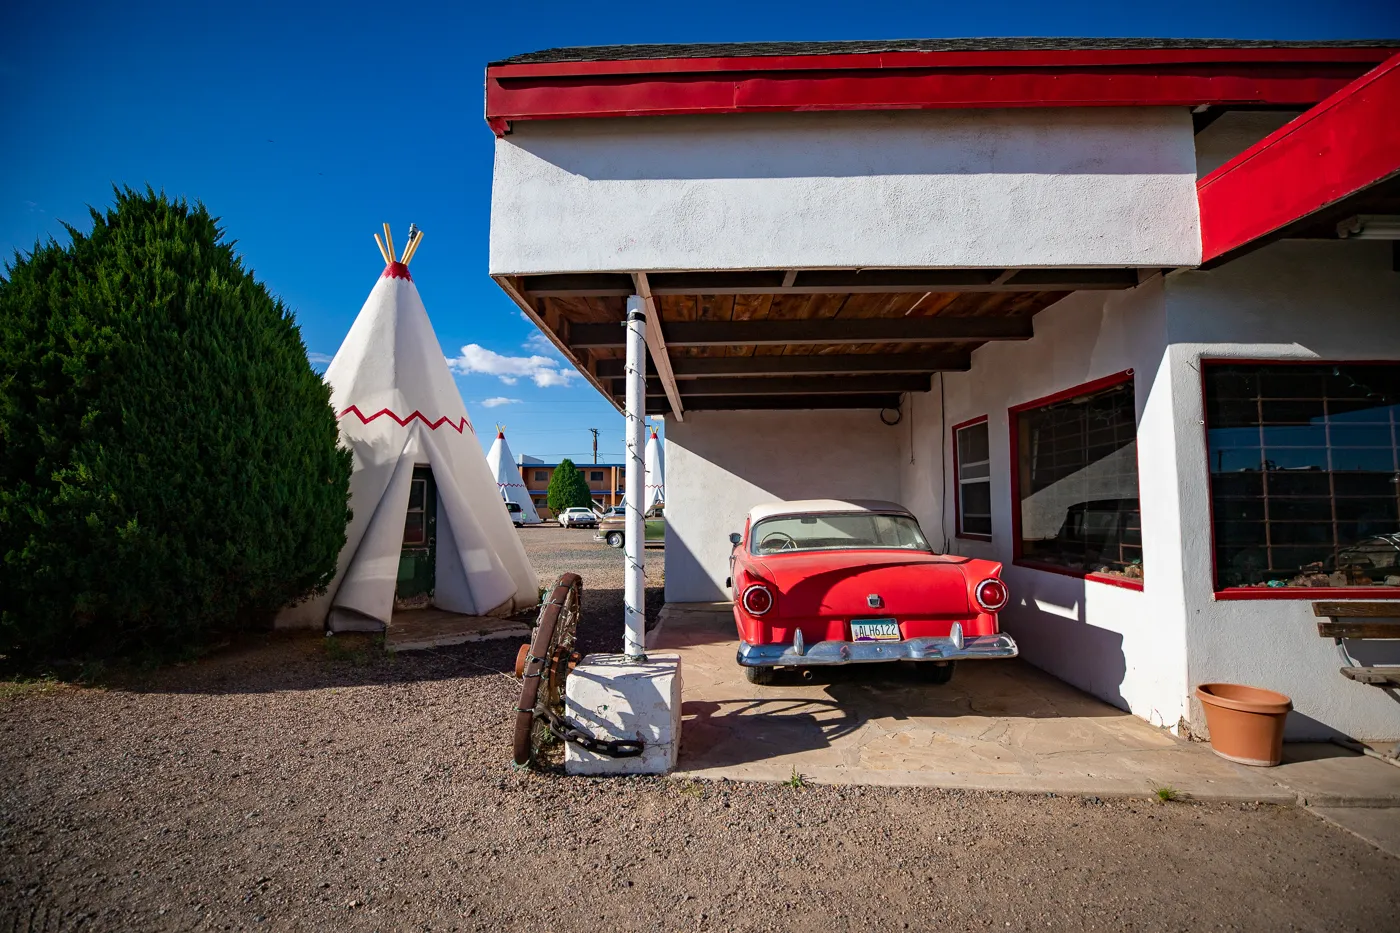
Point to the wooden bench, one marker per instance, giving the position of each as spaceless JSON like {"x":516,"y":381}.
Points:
{"x":1361,"y":620}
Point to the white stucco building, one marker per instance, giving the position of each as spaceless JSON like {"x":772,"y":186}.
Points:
{"x":1123,"y":315}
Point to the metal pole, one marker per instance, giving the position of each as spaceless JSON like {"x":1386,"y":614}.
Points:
{"x":634,"y":542}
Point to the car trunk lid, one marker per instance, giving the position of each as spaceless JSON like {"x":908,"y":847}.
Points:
{"x":821,"y":585}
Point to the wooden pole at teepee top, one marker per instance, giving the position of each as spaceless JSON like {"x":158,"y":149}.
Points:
{"x":382,"y":251}
{"x":389,"y":238}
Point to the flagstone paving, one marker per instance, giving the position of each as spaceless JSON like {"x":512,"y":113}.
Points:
{"x":999,"y":725}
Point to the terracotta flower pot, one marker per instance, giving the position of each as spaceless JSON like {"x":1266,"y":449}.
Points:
{"x":1246,"y":723}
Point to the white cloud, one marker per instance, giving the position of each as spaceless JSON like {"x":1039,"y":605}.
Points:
{"x":498,"y":401}
{"x":555,"y":377}
{"x":539,"y":343}
{"x":542,"y":370}
{"x":318,"y":359}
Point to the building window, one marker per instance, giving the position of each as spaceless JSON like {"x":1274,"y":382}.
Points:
{"x":1075,"y":481}
{"x":972,"y":463}
{"x":541,"y":476}
{"x":595,"y":476}
{"x":1304,"y":474}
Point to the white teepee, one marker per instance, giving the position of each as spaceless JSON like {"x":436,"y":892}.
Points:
{"x":654,"y":490}
{"x":399,"y":408}
{"x":508,"y":478}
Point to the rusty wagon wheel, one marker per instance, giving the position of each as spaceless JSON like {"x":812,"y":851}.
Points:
{"x":543,"y":666}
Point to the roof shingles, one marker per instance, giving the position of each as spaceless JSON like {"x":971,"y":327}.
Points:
{"x":872,"y":47}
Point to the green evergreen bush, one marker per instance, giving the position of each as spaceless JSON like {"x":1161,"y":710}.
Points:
{"x":568,"y":489}
{"x":169,"y":463}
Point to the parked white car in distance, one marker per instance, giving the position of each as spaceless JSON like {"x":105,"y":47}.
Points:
{"x":578,"y":518}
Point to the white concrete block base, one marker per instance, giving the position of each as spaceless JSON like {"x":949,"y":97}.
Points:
{"x":617,"y":698}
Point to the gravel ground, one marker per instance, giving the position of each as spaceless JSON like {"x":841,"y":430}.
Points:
{"x":286,"y":785}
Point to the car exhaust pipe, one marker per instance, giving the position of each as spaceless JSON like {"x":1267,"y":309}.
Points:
{"x":806,"y":673}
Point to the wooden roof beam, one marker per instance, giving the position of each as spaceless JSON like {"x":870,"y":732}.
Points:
{"x":938,"y":329}
{"x":579,"y":285}
{"x":656,"y":346}
{"x":657,"y":405}
{"x":689,"y":368}
{"x":693,"y":389}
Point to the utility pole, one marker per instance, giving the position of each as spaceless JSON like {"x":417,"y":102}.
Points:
{"x":595,"y":444}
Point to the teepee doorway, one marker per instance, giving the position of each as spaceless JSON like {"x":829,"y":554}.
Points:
{"x":417,"y":577}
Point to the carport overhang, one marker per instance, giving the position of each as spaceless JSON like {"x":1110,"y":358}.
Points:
{"x":822,"y":337}
{"x":1314,"y":177}
{"x":781,"y":339}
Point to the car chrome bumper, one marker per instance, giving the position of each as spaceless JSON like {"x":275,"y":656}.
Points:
{"x":954,"y":647}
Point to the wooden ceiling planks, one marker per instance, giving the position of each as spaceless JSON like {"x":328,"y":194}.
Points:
{"x":795,"y":306}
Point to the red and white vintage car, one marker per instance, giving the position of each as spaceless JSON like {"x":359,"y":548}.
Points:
{"x":825,"y":581}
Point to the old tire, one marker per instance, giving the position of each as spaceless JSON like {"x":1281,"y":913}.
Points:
{"x":614,"y":539}
{"x":761,"y":676}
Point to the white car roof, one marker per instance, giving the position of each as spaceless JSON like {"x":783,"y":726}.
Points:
{"x":801,"y":506}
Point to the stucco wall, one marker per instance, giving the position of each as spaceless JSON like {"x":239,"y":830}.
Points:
{"x":951,"y":188}
{"x":1125,"y":646}
{"x":1292,"y":300}
{"x":1147,"y":651}
{"x":721,"y":464}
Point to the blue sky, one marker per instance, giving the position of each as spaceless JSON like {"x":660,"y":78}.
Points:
{"x":304,"y":126}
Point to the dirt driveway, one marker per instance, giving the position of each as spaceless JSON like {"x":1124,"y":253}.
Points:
{"x":283,"y":785}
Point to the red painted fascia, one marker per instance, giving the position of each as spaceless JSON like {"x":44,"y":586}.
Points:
{"x":919,"y":80}
{"x":1348,"y":142}
{"x":1309,"y":592}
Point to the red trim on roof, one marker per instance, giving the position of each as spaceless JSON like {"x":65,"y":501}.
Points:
{"x":396,"y":270}
{"x":865,"y":61}
{"x":1348,"y":142}
{"x":920,"y":80}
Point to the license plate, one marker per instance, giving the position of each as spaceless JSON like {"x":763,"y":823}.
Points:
{"x":875,"y":630}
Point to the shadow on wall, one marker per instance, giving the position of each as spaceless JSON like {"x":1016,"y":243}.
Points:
{"x":758,"y":146}
{"x":1053,"y":636}
{"x":721,"y":464}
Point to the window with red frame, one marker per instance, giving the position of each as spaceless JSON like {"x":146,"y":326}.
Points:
{"x":972,"y":454}
{"x":1077,"y":483}
{"x":1304,"y":474}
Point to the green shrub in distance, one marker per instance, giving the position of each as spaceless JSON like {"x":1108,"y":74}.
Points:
{"x":169,"y":463}
{"x":568,"y":489}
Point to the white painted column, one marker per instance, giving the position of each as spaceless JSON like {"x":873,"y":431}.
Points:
{"x":634,"y":594}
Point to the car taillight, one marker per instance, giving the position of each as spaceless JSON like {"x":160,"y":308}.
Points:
{"x":757,"y":599}
{"x":991,"y":594}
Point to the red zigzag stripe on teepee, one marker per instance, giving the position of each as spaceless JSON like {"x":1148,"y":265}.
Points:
{"x":403,"y":422}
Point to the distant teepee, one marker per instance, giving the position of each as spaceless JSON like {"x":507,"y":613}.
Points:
{"x":508,"y":478}
{"x":402,"y":416}
{"x":654,"y":490}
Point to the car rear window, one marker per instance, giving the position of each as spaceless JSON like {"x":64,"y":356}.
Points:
{"x":836,"y":531}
